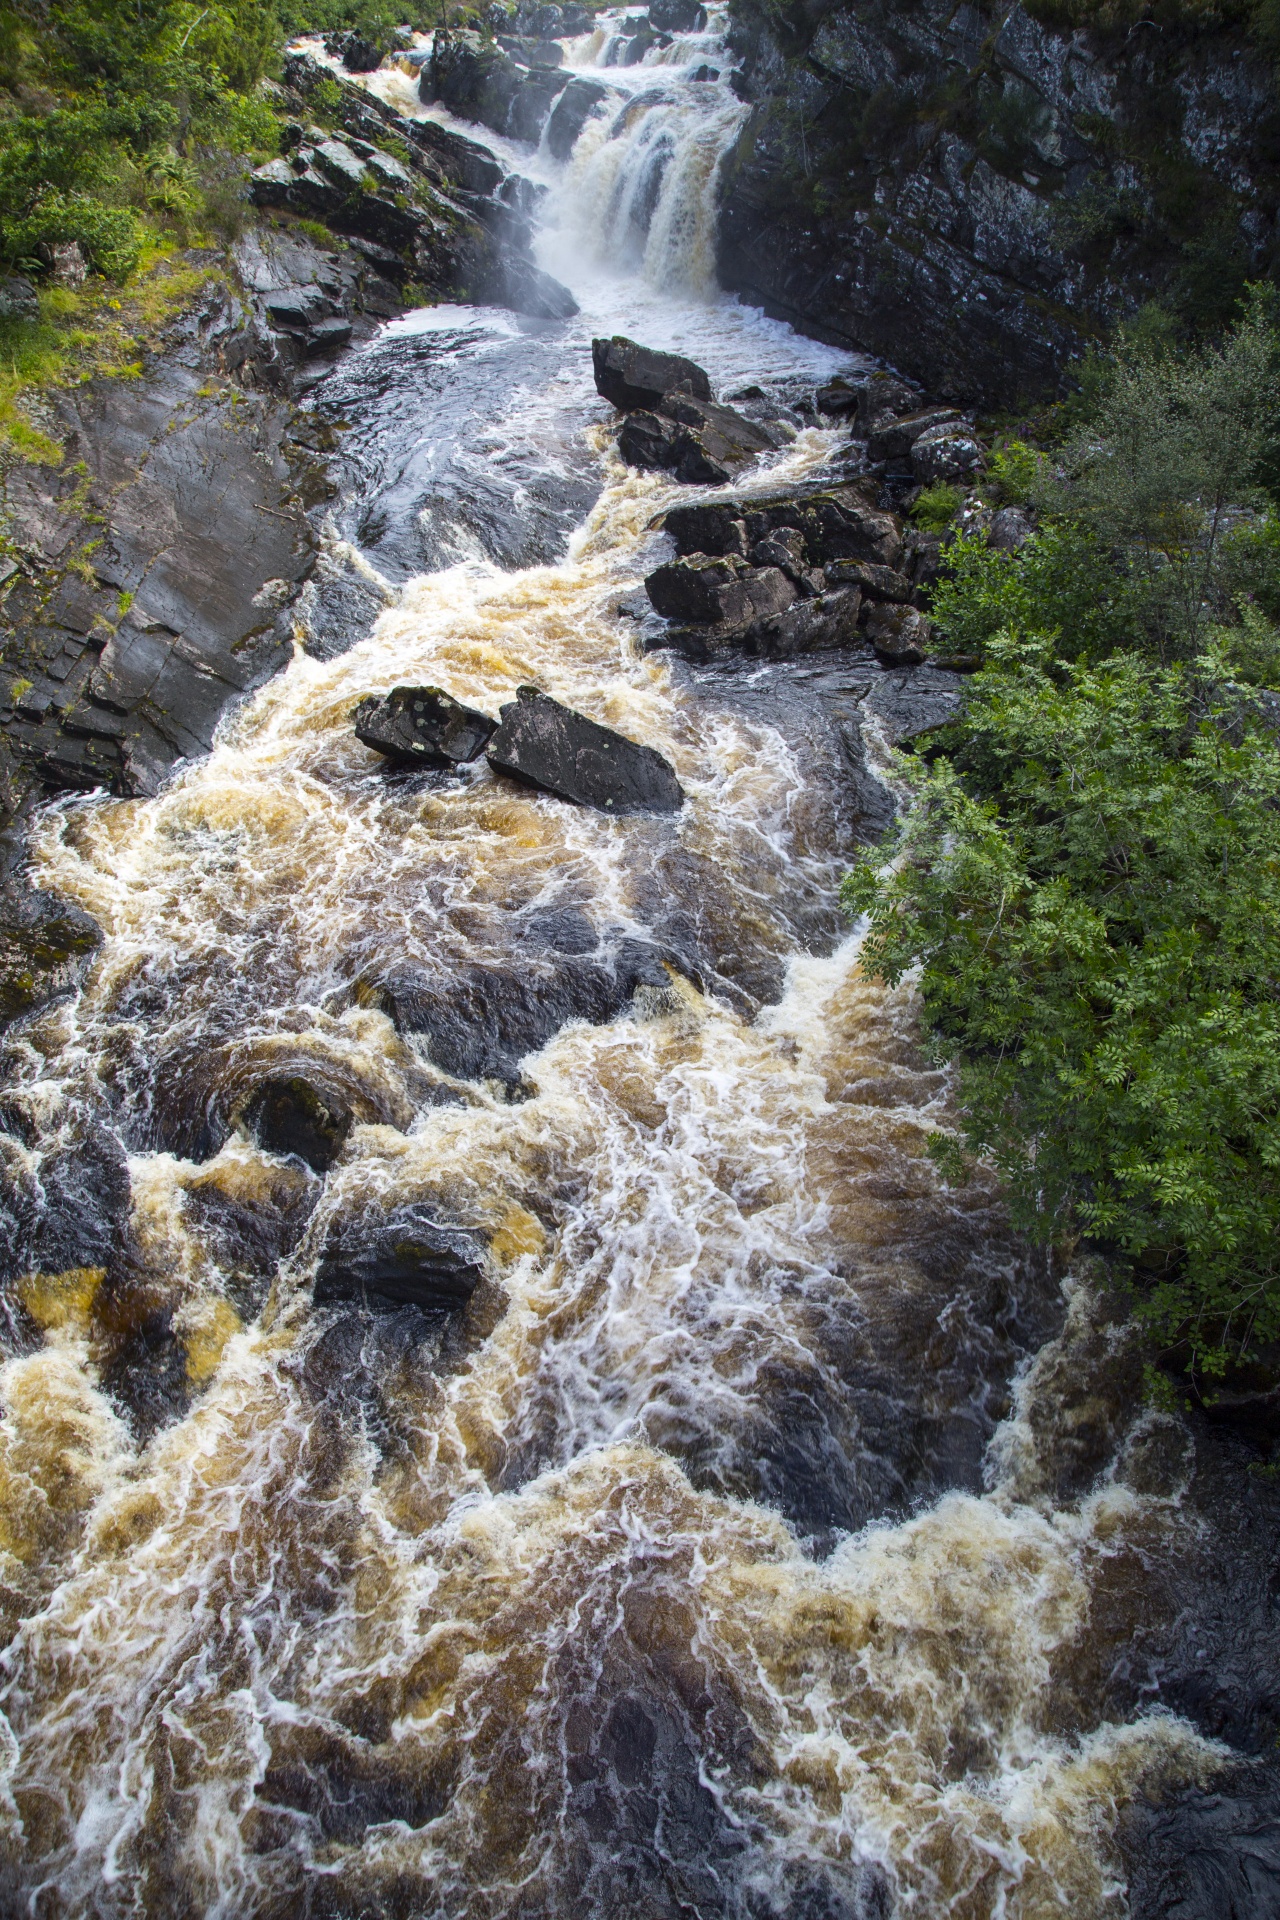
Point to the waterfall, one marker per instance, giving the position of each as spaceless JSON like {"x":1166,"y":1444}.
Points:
{"x":708,"y":1562}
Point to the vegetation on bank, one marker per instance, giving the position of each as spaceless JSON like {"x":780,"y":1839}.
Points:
{"x":127,"y":132}
{"x":1089,"y":877}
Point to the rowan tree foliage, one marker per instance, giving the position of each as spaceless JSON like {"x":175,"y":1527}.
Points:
{"x":1088,"y":878}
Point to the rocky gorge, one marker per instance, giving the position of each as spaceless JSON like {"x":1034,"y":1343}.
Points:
{"x":502,"y":1414}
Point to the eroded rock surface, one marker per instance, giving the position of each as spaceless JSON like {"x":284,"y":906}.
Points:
{"x":550,"y":746}
{"x":423,"y":727}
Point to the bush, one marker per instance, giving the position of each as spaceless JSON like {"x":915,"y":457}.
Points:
{"x":1090,"y":886}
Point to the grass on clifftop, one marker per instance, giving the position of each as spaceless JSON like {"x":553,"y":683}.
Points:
{"x":1089,"y":877}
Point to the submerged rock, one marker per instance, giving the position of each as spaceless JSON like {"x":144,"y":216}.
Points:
{"x":44,"y":944}
{"x":552,"y":747}
{"x":289,"y":1116}
{"x":423,"y":727}
{"x":405,"y":1257}
{"x":633,"y":377}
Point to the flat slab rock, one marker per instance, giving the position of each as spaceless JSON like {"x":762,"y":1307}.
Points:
{"x":423,"y":727}
{"x":552,"y":747}
{"x":406,"y":1257}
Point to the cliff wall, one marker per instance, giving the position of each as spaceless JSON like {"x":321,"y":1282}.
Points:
{"x":976,"y":192}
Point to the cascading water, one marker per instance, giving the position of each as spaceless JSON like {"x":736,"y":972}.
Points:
{"x":665,"y":1579}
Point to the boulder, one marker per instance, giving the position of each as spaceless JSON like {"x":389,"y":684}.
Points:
{"x":677,"y":16}
{"x":894,"y":439}
{"x":423,"y":727}
{"x":717,"y":590}
{"x":533,"y":53}
{"x":632,"y":377}
{"x":883,"y":397}
{"x":808,"y":626}
{"x":45,"y":944}
{"x":18,"y":298}
{"x":358,"y":52}
{"x":946,"y":453}
{"x":784,"y":549}
{"x":532,"y":103}
{"x":572,"y":111}
{"x":839,"y":398}
{"x":715,"y":528}
{"x":552,"y":747}
{"x":701,"y":443}
{"x":289,"y":1116}
{"x":877,"y":583}
{"x":405,"y":1257}
{"x":296,"y":309}
{"x":900,"y":635}
{"x":1010,"y":529}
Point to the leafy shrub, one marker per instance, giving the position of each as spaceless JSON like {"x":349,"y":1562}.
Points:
{"x":1018,"y":471}
{"x":1091,"y":888}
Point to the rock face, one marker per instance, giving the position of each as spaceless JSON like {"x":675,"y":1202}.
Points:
{"x":978,"y":192}
{"x":551,"y":746}
{"x":572,"y":110}
{"x":423,"y":727}
{"x":450,"y":220}
{"x":405,"y":1258}
{"x":631,"y":377}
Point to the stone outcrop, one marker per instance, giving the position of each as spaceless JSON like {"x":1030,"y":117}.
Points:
{"x":672,"y":423}
{"x":714,"y":588}
{"x":550,"y":746}
{"x":403,"y":1258}
{"x":976,"y":192}
{"x":450,"y":219}
{"x":423,"y":727}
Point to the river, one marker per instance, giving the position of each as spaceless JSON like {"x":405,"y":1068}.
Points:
{"x":718,"y":1558}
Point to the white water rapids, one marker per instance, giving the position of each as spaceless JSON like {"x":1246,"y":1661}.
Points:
{"x":708,"y":1564}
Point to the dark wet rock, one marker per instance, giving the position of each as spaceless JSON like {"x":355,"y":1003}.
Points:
{"x":909,"y":703}
{"x":922,"y":558}
{"x":481,"y":1017}
{"x":836,"y":523}
{"x":701,"y":443}
{"x":552,"y":747}
{"x":839,"y":398}
{"x":358,"y":52}
{"x":633,"y":377}
{"x":946,"y":453}
{"x":716,"y":528}
{"x":423,"y":727}
{"x":575,"y":106}
{"x":289,"y":1115}
{"x":893,"y":439}
{"x":703,"y":588}
{"x":45,"y":944}
{"x":481,"y":82}
{"x":333,"y":1783}
{"x":783,"y":548}
{"x":677,"y":16}
{"x":62,"y":1205}
{"x":532,"y":53}
{"x":882,"y":397}
{"x":1207,"y":1853}
{"x":827,"y":620}
{"x":407,"y":1256}
{"x":18,"y":298}
{"x":249,"y":1234}
{"x":900,"y":635}
{"x":492,"y":276}
{"x":143,"y":1362}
